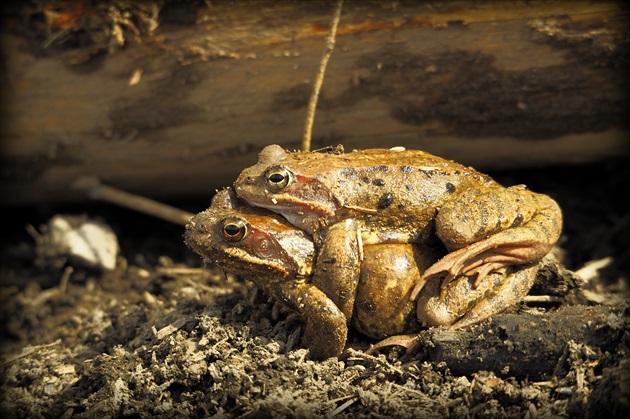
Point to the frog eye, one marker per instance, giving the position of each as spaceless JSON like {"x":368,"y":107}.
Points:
{"x":234,"y":230}
{"x":279,"y":178}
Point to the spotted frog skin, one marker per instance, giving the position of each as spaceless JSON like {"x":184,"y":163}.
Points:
{"x":373,"y":295}
{"x":406,"y":196}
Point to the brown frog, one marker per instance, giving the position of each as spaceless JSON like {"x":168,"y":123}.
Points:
{"x":277,"y":257}
{"x":405,"y":196}
{"x":280,"y":259}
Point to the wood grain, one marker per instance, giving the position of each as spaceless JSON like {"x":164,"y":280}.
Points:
{"x":178,"y":111}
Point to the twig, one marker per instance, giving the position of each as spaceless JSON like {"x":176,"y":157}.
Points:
{"x":560,"y":363}
{"x":65,"y":278}
{"x":56,"y":292}
{"x":542,"y":299}
{"x":93,"y":187}
{"x":196,"y":284}
{"x":344,"y":406}
{"x":30,"y":350}
{"x":182,"y":271}
{"x":319,"y":79}
{"x":346,"y":397}
{"x":36,"y":235}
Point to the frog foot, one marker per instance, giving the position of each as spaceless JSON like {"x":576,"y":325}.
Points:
{"x":477,"y":259}
{"x":406,"y":341}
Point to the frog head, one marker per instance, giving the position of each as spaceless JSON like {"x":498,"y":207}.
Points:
{"x":250,"y":241}
{"x":290,"y":184}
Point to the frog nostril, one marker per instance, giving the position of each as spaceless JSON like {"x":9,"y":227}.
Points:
{"x":203,"y":227}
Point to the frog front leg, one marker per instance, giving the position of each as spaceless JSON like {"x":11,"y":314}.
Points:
{"x":486,"y":231}
{"x":326,"y":326}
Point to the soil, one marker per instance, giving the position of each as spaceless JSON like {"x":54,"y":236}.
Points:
{"x":162,"y":336}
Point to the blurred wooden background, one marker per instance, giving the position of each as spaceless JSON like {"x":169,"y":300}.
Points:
{"x":173,"y":99}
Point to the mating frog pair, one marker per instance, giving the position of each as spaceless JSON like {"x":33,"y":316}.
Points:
{"x":364,"y":209}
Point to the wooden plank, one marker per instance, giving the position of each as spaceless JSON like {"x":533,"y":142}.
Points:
{"x":181,"y":111}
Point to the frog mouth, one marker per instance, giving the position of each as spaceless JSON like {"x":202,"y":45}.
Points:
{"x":192,"y":240}
{"x":304,"y":195}
{"x":237,"y":261}
{"x":301,"y":214}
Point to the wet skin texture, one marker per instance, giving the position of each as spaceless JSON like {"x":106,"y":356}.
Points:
{"x":405,"y":196}
{"x":373,"y":295}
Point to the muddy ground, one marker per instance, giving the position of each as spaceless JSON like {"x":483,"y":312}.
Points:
{"x":155,"y":338}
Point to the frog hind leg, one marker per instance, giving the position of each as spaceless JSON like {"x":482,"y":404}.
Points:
{"x":464,"y":304}
{"x":509,"y":247}
{"x":485,"y":247}
{"x":512,"y":291}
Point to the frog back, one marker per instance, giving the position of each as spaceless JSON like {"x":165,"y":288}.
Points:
{"x":395,"y":188}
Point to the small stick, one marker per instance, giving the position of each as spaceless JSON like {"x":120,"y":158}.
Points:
{"x":65,"y":278}
{"x":319,"y":78}
{"x":542,"y":299}
{"x":93,"y":187}
{"x":344,"y":406}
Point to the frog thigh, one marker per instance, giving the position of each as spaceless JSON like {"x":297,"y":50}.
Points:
{"x":479,"y":213}
{"x":487,"y":231}
{"x":338,"y":266}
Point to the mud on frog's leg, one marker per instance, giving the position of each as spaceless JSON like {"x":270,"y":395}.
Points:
{"x":338,"y":265}
{"x":326,"y":327}
{"x":463,"y":304}
{"x":491,"y":230}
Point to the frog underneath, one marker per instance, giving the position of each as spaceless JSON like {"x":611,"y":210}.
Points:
{"x":281,"y":260}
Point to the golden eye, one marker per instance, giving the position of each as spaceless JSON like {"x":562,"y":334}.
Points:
{"x":234,"y":230}
{"x":279,"y":178}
